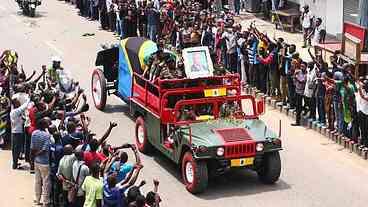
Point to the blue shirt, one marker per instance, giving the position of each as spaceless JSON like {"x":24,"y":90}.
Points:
{"x":40,"y":141}
{"x":73,"y":139}
{"x":113,"y":197}
{"x":252,"y":53}
{"x":287,"y":63}
{"x":124,"y":170}
{"x":56,"y":153}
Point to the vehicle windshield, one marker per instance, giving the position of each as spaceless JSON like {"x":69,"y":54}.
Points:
{"x":232,"y":107}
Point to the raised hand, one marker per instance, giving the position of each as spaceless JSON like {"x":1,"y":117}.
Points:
{"x":156,"y":182}
{"x":113,"y":124}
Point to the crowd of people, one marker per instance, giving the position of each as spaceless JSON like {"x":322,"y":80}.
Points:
{"x":46,"y":121}
{"x":47,"y":113}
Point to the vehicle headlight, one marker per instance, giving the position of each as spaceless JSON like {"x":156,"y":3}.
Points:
{"x":259,"y":147}
{"x":220,"y":151}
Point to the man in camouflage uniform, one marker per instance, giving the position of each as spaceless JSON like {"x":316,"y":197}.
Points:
{"x":153,"y":63}
{"x":228,"y":109}
{"x":187,"y":114}
{"x":169,"y":70}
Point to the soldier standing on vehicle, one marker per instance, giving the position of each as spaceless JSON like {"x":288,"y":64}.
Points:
{"x":153,"y":63}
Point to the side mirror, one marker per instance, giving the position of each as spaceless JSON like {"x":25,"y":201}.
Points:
{"x":260,"y":104}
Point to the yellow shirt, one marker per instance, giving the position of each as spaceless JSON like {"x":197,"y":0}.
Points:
{"x":93,"y":189}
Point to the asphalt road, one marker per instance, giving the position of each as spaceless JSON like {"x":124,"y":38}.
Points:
{"x":315,"y":172}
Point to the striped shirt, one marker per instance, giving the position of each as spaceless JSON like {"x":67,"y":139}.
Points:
{"x":40,"y":141}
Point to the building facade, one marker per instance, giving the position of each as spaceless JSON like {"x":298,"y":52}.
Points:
{"x":335,"y":12}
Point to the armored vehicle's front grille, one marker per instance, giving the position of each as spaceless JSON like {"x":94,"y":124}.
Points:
{"x":238,"y":142}
{"x":233,"y":134}
{"x":242,"y":149}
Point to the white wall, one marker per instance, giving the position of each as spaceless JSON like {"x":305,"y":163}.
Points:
{"x":335,"y":16}
{"x":331,"y":12}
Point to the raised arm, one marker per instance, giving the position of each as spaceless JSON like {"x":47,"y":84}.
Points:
{"x":107,"y":133}
{"x":30,"y":77}
{"x":41,"y":75}
{"x":132,"y":177}
{"x":85,"y":122}
{"x":311,"y":55}
{"x":136,"y":154}
{"x":110,"y":161}
{"x":76,"y":98}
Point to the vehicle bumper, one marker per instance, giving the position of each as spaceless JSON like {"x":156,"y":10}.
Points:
{"x":220,"y":166}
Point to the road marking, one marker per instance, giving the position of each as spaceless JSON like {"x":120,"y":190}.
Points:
{"x":53,"y":47}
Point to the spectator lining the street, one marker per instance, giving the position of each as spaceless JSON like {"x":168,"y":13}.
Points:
{"x":40,"y":146}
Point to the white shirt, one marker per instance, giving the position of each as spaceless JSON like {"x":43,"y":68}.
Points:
{"x":362,"y":105}
{"x":116,"y":10}
{"x":316,"y":35}
{"x":311,"y":76}
{"x":84,"y":172}
{"x":108,"y":5}
{"x":27,"y":121}
{"x":240,"y":42}
{"x":156,"y":5}
{"x":16,"y":118}
{"x":22,"y":97}
{"x":230,"y":42}
{"x":307,"y":19}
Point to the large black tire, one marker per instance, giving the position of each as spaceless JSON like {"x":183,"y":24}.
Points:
{"x":98,"y":86}
{"x":141,"y":137}
{"x":270,"y":170}
{"x":199,"y":181}
{"x":32,"y":12}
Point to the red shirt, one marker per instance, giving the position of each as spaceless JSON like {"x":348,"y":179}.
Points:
{"x":90,"y":157}
{"x":32,"y":117}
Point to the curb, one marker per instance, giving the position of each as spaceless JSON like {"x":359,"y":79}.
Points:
{"x":341,"y":140}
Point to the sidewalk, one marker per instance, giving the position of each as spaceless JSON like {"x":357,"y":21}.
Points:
{"x":16,"y":185}
{"x":245,"y":19}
